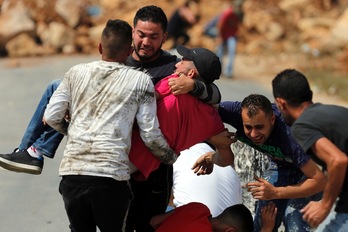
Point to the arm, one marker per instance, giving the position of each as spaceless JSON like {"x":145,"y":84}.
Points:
{"x":208,"y":93}
{"x":314,"y":183}
{"x":336,"y":162}
{"x":223,"y":157}
{"x":149,"y":128}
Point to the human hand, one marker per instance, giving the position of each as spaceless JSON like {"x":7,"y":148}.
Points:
{"x":261,"y":189}
{"x":268,"y":215}
{"x":223,"y":140}
{"x":204,"y":164}
{"x":44,"y":121}
{"x":315,"y":212}
{"x":181,"y":85}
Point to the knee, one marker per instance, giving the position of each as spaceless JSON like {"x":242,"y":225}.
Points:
{"x":53,"y":85}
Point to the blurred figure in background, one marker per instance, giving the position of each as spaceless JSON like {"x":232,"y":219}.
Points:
{"x":210,"y":29}
{"x":227,"y":29}
{"x":182,"y":19}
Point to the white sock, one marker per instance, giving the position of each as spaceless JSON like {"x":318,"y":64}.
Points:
{"x":34,"y":153}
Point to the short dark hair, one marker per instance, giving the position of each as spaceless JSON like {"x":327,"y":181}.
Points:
{"x":153,"y":14}
{"x":116,"y":36}
{"x":238,"y":216}
{"x":292,"y":86}
{"x":255,"y":102}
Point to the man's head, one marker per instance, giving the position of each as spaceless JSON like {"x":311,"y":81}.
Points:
{"x":202,"y":61}
{"x":258,"y":118}
{"x":290,"y":90}
{"x":234,"y":218}
{"x":149,"y":33}
{"x":116,"y":41}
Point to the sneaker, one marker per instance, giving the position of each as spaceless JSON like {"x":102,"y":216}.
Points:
{"x":21,"y":161}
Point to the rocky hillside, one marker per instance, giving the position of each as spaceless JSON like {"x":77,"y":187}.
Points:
{"x":41,"y":27}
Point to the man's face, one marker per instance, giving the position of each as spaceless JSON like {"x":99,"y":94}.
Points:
{"x":259,"y":127}
{"x":184,"y":66}
{"x":148,"y":38}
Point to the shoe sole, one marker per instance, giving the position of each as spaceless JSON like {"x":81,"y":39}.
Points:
{"x":16,"y":167}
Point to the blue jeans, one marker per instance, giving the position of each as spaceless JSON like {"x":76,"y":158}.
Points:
{"x":335,"y":222}
{"x":43,"y":137}
{"x":231,"y":43}
{"x":288,"y":209}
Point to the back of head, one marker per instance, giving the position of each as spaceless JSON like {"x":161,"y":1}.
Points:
{"x":255,"y":102}
{"x":116,"y":37}
{"x":207,"y":62}
{"x":153,"y":14}
{"x":237,"y":216}
{"x":292,"y":86}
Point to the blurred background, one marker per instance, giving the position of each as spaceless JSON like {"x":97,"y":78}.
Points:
{"x":310,"y":35}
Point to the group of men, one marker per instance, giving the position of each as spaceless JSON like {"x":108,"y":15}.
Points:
{"x":96,"y":105}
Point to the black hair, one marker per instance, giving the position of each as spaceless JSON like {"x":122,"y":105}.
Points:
{"x":153,"y":14}
{"x":255,"y":102}
{"x":237,"y":216}
{"x":116,"y":36}
{"x":292,"y":86}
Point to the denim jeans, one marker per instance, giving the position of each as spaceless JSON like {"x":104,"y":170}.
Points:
{"x":288,"y":209}
{"x":231,"y":44}
{"x":43,"y":137}
{"x":335,"y":222}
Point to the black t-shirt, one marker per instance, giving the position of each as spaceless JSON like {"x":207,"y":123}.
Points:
{"x":330,"y":121}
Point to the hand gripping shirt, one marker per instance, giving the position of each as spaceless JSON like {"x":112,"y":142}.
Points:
{"x":281,"y":147}
{"x":184,"y":121}
{"x":103,"y":99}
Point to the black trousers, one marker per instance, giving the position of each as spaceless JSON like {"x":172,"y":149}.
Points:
{"x":92,"y":202}
{"x":151,"y":198}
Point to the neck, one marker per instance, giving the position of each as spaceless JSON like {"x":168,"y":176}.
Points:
{"x":297,"y":111}
{"x":136,"y":57}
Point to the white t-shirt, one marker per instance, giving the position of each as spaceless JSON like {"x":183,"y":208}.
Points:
{"x":219,"y":190}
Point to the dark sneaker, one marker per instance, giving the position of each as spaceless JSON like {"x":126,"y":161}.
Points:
{"x":21,"y":161}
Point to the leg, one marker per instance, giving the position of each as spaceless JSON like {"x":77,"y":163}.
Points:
{"x":44,"y":138}
{"x":220,"y":52}
{"x":92,"y":202}
{"x":38,"y":136}
{"x":75,"y":203}
{"x":293,"y":220}
{"x":335,"y":222}
{"x":151,"y":198}
{"x":277,"y":177}
{"x":231,"y":51}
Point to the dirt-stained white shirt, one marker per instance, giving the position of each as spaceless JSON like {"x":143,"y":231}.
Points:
{"x":103,"y":100}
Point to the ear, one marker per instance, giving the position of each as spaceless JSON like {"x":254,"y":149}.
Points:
{"x":191,"y":73}
{"x":165,"y":35}
{"x":273,"y":118}
{"x":100,"y":48}
{"x":281,"y":103}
